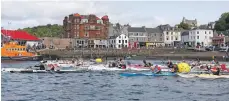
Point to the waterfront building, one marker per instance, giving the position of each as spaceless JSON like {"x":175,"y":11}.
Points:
{"x":119,"y":42}
{"x":171,"y":35}
{"x":138,"y":37}
{"x":220,"y":39}
{"x":195,"y":37}
{"x":155,"y":37}
{"x":85,"y":28}
{"x":20,"y":36}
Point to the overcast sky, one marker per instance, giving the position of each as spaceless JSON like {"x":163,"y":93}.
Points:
{"x":148,"y":13}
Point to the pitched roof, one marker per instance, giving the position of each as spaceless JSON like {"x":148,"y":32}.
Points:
{"x":185,"y":33}
{"x":136,"y":29}
{"x":19,"y":35}
{"x":153,"y":30}
{"x":165,"y":27}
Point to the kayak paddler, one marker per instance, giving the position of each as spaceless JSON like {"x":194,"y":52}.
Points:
{"x":146,"y":64}
{"x":215,"y":70}
{"x":170,"y":64}
{"x":156,"y":69}
{"x":175,"y":68}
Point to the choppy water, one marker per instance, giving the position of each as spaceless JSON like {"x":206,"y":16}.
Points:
{"x":108,"y":86}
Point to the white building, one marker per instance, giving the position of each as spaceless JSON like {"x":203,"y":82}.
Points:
{"x":100,"y":43}
{"x":119,"y":42}
{"x":171,"y":37}
{"x":194,"y":37}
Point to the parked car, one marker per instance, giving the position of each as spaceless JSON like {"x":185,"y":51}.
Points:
{"x":224,"y":49}
{"x":210,"y":48}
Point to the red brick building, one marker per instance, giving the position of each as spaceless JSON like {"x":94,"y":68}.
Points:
{"x":86,"y":26}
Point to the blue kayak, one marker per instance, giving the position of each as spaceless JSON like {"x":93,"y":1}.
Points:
{"x":148,"y":74}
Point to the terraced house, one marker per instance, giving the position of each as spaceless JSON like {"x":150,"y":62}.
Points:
{"x":138,"y":37}
{"x":172,"y":35}
{"x":118,"y":36}
{"x":155,"y":37}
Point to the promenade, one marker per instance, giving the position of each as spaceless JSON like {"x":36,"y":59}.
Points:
{"x":158,"y":53}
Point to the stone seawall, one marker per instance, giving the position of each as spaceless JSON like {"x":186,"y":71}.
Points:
{"x":134,"y":54}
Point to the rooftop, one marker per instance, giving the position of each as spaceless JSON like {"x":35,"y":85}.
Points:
{"x":19,"y":35}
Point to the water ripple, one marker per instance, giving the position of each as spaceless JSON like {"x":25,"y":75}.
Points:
{"x":109,"y":86}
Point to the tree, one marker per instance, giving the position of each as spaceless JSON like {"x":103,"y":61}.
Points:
{"x":223,"y":23}
{"x":184,"y":26}
{"x":45,"y":30}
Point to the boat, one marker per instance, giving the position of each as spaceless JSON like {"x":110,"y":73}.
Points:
{"x":148,"y":74}
{"x":43,"y":71}
{"x":203,"y":76}
{"x":14,"y":51}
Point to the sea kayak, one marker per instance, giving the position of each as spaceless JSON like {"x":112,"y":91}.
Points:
{"x":41,"y":71}
{"x":203,"y":76}
{"x":148,"y":74}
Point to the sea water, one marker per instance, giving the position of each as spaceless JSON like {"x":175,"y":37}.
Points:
{"x":107,"y":86}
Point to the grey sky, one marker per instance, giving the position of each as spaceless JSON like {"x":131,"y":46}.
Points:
{"x":145,"y":13}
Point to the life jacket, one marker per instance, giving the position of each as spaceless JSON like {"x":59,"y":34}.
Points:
{"x":214,"y":69}
{"x":157,"y":69}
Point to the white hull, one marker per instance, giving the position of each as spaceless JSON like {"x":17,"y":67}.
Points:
{"x":207,"y":76}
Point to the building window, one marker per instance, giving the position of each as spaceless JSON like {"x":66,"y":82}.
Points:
{"x":197,"y":32}
{"x":160,"y":39}
{"x":119,"y":41}
{"x":86,"y":34}
{"x":167,"y":38}
{"x":205,"y":37}
{"x":119,"y":46}
{"x":92,"y":27}
{"x":167,"y":33}
{"x":120,"y":37}
{"x":194,"y":37}
{"x":155,"y":34}
{"x":137,"y":39}
{"x":198,"y":37}
{"x":136,"y":34}
{"x":176,"y":38}
{"x":205,"y":32}
{"x":75,"y":20}
{"x":125,"y":41}
{"x":78,"y":20}
{"x":171,"y":37}
{"x":78,"y":33}
{"x":122,"y":41}
{"x":171,"y":33}
{"x":209,"y":32}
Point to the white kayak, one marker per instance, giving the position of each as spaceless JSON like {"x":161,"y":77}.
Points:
{"x":203,"y":76}
{"x":40,"y":71}
{"x":102,"y":67}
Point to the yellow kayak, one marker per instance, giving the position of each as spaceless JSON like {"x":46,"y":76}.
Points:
{"x":203,"y":76}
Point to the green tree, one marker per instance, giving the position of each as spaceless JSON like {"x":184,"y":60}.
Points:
{"x":45,"y":30}
{"x":184,"y":26}
{"x":223,"y":23}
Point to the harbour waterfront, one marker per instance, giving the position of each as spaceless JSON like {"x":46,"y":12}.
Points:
{"x":139,"y":54}
{"x":107,"y":86}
